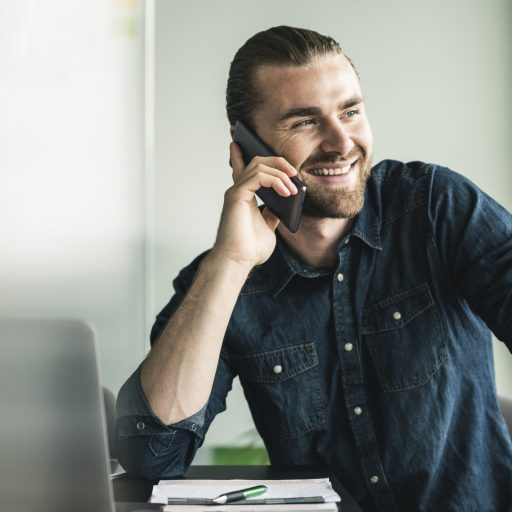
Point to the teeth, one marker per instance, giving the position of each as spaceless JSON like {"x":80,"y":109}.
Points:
{"x":330,"y":172}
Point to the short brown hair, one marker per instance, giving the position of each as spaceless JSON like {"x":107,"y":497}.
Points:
{"x":276,"y":46}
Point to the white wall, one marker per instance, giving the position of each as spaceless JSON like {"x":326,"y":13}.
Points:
{"x":72,"y":169}
{"x":435,"y":75}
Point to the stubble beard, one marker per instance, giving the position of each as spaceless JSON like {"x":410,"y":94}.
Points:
{"x":338,"y":202}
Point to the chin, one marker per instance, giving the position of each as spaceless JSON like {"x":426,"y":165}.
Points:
{"x":337,"y":204}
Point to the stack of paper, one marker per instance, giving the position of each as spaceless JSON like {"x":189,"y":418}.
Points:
{"x":210,"y":489}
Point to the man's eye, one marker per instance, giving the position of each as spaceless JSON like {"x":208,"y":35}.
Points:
{"x":352,"y":113}
{"x":304,"y":122}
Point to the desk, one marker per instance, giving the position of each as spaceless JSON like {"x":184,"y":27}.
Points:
{"x":128,"y":489}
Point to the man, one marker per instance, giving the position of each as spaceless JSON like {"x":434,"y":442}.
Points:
{"x":360,"y":340}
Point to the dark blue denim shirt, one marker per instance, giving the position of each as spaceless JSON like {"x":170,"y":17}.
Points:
{"x":380,"y":368}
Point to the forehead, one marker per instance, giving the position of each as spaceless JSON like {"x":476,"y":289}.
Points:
{"x":321,"y":83}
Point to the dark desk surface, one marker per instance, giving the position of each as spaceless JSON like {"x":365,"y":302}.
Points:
{"x":128,"y":489}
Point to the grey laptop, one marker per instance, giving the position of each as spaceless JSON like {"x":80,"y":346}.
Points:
{"x":53,"y":445}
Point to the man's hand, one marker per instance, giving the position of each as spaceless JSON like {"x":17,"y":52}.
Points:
{"x":246,"y":235}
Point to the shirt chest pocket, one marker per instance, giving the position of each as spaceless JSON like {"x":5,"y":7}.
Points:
{"x":283,"y":390}
{"x":405,"y":338}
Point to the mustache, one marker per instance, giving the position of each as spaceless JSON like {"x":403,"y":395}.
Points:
{"x":333,"y":157}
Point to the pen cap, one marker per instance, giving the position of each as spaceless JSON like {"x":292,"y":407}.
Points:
{"x":255,"y":491}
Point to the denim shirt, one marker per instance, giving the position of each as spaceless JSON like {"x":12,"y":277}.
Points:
{"x":381,"y":368}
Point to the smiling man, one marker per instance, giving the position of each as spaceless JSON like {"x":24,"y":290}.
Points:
{"x":363,"y":340}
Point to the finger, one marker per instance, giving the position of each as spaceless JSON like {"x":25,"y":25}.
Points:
{"x":246,"y":188}
{"x":265,"y":169}
{"x":277,"y":162}
{"x":270,"y":218}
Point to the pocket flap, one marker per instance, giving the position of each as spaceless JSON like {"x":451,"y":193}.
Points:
{"x":397,"y":311}
{"x":277,"y":365}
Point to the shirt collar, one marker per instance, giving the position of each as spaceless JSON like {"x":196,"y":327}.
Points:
{"x":284,"y":264}
{"x":368,"y":223}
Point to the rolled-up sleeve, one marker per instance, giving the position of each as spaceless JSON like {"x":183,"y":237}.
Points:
{"x":146,"y":447}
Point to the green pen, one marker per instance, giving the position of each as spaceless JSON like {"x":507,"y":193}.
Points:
{"x":242,"y":494}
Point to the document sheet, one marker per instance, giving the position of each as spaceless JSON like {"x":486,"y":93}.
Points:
{"x":210,"y":489}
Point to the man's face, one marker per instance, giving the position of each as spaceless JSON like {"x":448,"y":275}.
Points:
{"x":314,"y":116}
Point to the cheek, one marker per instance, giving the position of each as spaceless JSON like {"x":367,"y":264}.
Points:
{"x":300,"y":157}
{"x":366,"y":136}
{"x":296,"y":151}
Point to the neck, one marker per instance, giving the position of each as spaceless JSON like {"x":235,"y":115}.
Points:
{"x":317,"y":239}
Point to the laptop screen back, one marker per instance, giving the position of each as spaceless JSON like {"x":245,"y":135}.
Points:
{"x":53,"y":453}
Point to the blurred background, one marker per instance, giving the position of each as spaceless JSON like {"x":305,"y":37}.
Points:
{"x":114,"y":142}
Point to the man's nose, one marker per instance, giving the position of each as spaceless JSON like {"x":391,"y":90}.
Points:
{"x":336,"y":138}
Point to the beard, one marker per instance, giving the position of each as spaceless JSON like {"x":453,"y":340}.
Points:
{"x":337,"y":202}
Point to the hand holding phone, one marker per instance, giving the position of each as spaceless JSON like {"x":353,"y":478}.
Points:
{"x":287,"y":209}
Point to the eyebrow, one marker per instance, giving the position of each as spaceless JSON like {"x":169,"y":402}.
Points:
{"x":315,"y":111}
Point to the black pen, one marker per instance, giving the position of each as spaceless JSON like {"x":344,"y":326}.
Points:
{"x":242,"y":494}
{"x":263,"y":501}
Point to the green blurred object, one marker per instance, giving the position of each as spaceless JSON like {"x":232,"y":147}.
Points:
{"x":240,"y":456}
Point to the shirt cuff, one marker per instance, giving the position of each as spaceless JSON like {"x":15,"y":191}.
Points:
{"x":133,"y":410}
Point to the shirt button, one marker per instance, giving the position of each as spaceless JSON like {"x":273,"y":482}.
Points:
{"x":278,"y":368}
{"x":140,"y":425}
{"x":397,"y":315}
{"x":194,"y":427}
{"x":340,"y":277}
{"x":348,"y":347}
{"x":347,"y":240}
{"x":374,"y":479}
{"x":358,"y":411}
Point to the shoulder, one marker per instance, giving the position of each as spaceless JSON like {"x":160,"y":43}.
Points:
{"x":398,"y":187}
{"x":387,"y":175}
{"x":391,"y":176}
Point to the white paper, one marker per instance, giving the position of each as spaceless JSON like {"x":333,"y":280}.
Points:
{"x":233,"y":507}
{"x":276,"y":489}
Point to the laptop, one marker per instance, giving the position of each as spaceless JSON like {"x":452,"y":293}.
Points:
{"x":53,"y":442}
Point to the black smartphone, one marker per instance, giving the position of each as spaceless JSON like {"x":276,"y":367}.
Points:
{"x":288,"y":209}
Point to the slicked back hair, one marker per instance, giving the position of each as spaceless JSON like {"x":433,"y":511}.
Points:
{"x":283,"y":45}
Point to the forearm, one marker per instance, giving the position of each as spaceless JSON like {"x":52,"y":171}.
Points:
{"x":177,"y":375}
